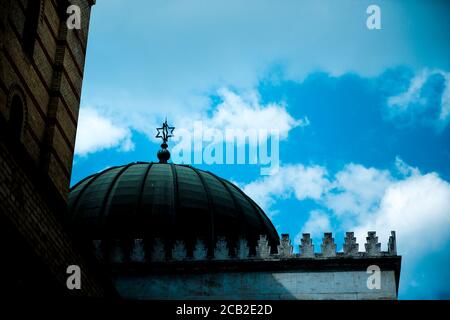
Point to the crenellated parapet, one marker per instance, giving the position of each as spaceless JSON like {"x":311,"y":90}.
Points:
{"x":285,"y":248}
{"x":328,"y":246}
{"x":179,"y":251}
{"x":351,"y":247}
{"x":221,"y":251}
{"x":307,"y":247}
{"x":156,"y":250}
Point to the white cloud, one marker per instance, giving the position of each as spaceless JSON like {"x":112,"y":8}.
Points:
{"x":96,"y":132}
{"x":412,"y":203}
{"x":292,"y":180}
{"x":234,"y":111}
{"x":405,"y":169}
{"x":356,"y":189}
{"x":246,"y":112}
{"x":353,"y":190}
{"x":181,"y":52}
{"x":445,"y":100}
{"x":416,"y":205}
{"x":418,"y":208}
{"x":317,"y":224}
{"x":412,"y":94}
{"x":413,"y":103}
{"x":236,"y":119}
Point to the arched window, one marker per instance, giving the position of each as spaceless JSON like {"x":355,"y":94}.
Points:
{"x":32,"y":14}
{"x":16,"y":118}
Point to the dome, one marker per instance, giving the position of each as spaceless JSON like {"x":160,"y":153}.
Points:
{"x":168,"y":201}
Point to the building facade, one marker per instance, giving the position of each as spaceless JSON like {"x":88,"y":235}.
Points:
{"x":326,"y":275}
{"x":171,"y":231}
{"x":41,"y":73}
{"x":143,"y":230}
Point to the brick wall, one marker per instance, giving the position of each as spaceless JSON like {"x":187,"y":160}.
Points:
{"x":23,"y":205}
{"x":35,"y":168}
{"x":50,"y":80}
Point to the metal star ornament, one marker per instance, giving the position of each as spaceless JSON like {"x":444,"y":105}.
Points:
{"x":165,"y":132}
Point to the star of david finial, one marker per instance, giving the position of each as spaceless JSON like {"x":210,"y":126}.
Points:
{"x":164,"y":133}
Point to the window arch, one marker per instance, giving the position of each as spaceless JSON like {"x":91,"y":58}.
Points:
{"x":32,"y":15}
{"x":18,"y":114}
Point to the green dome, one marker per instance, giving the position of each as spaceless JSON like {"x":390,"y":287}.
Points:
{"x":168,"y":201}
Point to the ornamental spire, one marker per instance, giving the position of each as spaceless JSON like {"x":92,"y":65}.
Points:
{"x":165,"y":132}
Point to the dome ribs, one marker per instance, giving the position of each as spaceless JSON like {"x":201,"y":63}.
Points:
{"x":236,"y":203}
{"x":106,"y":199}
{"x":141,"y":189}
{"x":147,"y":200}
{"x":176,"y":199}
{"x":260,"y":213}
{"x":74,"y":206}
{"x":211,"y":210}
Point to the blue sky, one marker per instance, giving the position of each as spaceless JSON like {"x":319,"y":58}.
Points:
{"x":363,"y":114}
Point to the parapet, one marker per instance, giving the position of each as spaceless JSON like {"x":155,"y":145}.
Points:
{"x":156,"y":250}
